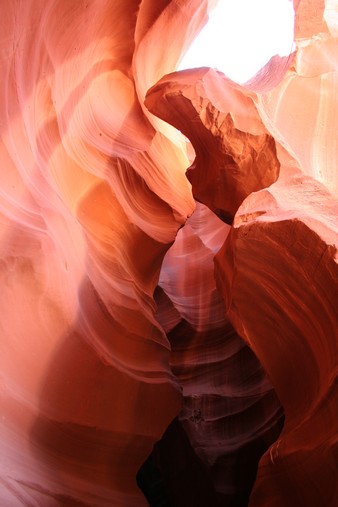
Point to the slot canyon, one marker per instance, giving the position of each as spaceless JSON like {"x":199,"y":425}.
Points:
{"x":168,"y":262}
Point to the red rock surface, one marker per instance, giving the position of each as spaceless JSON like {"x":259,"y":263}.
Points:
{"x":106,"y":334}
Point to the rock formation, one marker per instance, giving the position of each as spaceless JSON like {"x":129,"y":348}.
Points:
{"x":168,"y":305}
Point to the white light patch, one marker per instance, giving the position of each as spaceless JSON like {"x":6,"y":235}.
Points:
{"x":241,"y":36}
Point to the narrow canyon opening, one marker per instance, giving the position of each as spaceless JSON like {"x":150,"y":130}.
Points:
{"x":209,"y":454}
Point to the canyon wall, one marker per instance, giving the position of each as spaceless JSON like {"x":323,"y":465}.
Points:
{"x":168,"y":262}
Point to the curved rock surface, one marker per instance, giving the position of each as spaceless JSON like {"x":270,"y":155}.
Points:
{"x":107,"y":333}
{"x":91,"y":198}
{"x":234,"y":153}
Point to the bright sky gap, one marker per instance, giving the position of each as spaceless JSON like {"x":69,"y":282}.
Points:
{"x":241,"y":36}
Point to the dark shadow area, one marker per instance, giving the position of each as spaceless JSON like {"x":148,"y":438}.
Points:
{"x":209,"y":455}
{"x":242,"y":467}
{"x":173,"y":476}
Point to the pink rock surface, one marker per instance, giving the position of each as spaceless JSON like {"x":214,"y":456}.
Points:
{"x":106,"y":334}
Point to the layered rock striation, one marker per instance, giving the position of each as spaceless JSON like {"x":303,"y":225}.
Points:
{"x":147,"y":279}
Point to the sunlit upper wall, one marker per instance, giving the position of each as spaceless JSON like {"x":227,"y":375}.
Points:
{"x":241,"y":37}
